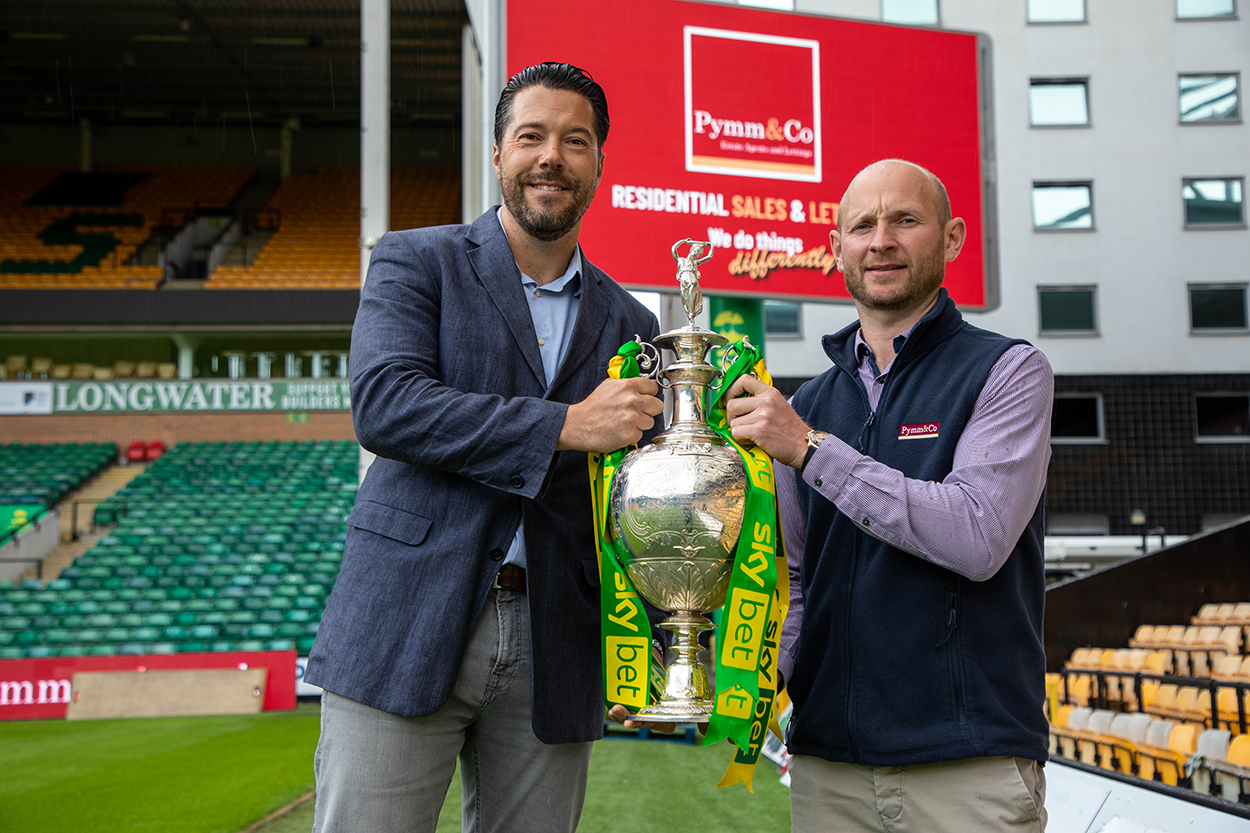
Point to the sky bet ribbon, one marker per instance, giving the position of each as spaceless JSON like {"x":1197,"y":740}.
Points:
{"x":755,"y":605}
{"x":629,"y":675}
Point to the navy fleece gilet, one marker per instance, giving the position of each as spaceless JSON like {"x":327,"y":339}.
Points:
{"x":900,"y":661}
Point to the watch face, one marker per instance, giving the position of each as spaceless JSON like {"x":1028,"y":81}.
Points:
{"x":815,"y":438}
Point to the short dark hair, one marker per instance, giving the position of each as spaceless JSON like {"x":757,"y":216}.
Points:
{"x":554,"y":76}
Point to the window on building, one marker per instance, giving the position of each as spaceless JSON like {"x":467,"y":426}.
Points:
{"x":1223,"y":417}
{"x":1066,"y":310}
{"x":1213,"y":202}
{"x":1210,"y":98}
{"x":1072,"y":523}
{"x":1058,"y":102}
{"x":913,"y":12}
{"x":1056,"y":11}
{"x":1063,"y":205}
{"x":1077,"y":419}
{"x":1219,"y":307}
{"x":782,"y":319}
{"x":1198,"y":9}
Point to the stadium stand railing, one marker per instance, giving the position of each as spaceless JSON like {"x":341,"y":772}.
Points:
{"x":221,"y":547}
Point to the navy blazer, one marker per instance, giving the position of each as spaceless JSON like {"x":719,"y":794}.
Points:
{"x":447,"y":389}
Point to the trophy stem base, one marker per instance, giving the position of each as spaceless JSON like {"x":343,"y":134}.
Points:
{"x":687,"y":696}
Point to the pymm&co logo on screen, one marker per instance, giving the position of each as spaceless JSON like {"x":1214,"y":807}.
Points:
{"x":752,"y":105}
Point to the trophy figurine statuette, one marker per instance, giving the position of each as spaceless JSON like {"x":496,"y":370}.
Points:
{"x":677,"y":505}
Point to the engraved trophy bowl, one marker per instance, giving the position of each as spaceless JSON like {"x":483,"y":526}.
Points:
{"x":677,"y":506}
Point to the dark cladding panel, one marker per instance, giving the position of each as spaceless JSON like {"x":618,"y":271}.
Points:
{"x":185,"y":308}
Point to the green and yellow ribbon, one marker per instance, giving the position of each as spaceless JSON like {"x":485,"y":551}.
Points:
{"x":629,"y":676}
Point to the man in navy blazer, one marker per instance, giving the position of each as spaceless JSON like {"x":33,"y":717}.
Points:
{"x":465,"y":620}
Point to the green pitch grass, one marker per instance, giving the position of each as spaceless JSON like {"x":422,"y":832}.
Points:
{"x":222,"y":774}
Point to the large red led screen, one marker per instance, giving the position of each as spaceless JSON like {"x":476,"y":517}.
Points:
{"x":744,"y":127}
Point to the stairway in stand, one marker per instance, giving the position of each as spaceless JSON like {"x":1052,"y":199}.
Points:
{"x":103,"y":485}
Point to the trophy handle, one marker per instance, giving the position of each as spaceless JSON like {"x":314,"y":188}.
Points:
{"x":649,"y":362}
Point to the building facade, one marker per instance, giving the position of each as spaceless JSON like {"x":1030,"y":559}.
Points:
{"x":1121,"y":161}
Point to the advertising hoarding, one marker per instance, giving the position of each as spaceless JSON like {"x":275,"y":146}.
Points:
{"x":40,"y":688}
{"x":744,"y":127}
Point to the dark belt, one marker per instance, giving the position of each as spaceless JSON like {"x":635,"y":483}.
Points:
{"x":510,"y":577}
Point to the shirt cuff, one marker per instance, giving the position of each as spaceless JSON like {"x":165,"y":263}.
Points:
{"x":829,"y":466}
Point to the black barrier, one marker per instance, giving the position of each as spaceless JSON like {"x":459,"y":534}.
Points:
{"x":1209,"y":683}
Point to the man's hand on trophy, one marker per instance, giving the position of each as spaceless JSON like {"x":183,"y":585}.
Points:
{"x":759,"y":414}
{"x":615,"y":415}
{"x":620,"y":714}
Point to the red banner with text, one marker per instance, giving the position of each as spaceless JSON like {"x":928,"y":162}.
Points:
{"x":744,"y":126}
{"x":40,"y":688}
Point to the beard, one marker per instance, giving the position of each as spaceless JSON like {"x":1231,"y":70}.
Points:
{"x":925,"y":277}
{"x":546,"y":224}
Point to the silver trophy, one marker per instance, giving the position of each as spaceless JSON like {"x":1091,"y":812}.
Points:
{"x":677,"y":504}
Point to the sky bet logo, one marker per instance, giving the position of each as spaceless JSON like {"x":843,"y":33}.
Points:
{"x":752,"y":105}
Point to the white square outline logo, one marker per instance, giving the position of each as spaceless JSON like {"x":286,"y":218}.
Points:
{"x":687,"y":33}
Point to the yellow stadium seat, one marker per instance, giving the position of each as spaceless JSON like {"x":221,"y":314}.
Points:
{"x":1164,"y":700}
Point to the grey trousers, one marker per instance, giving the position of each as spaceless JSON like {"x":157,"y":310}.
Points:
{"x":381,"y":773}
{"x":979,"y":794}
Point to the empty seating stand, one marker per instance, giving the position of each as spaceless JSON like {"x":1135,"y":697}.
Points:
{"x":317,"y":243}
{"x":1173,"y":707}
{"x":44,"y":474}
{"x":63,"y":229}
{"x":221,"y":547}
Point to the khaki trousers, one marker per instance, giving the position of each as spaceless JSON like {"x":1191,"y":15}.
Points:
{"x":980,"y":794}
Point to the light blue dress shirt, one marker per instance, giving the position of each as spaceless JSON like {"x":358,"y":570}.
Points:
{"x":553,"y":309}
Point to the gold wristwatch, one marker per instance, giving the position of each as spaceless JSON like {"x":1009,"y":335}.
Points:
{"x":814,"y":439}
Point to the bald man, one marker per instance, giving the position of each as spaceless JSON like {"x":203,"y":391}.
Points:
{"x":912,"y":511}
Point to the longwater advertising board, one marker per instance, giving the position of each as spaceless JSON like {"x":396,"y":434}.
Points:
{"x":744,"y":127}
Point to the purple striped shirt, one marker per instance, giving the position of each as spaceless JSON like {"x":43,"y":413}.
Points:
{"x":969,"y":522}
